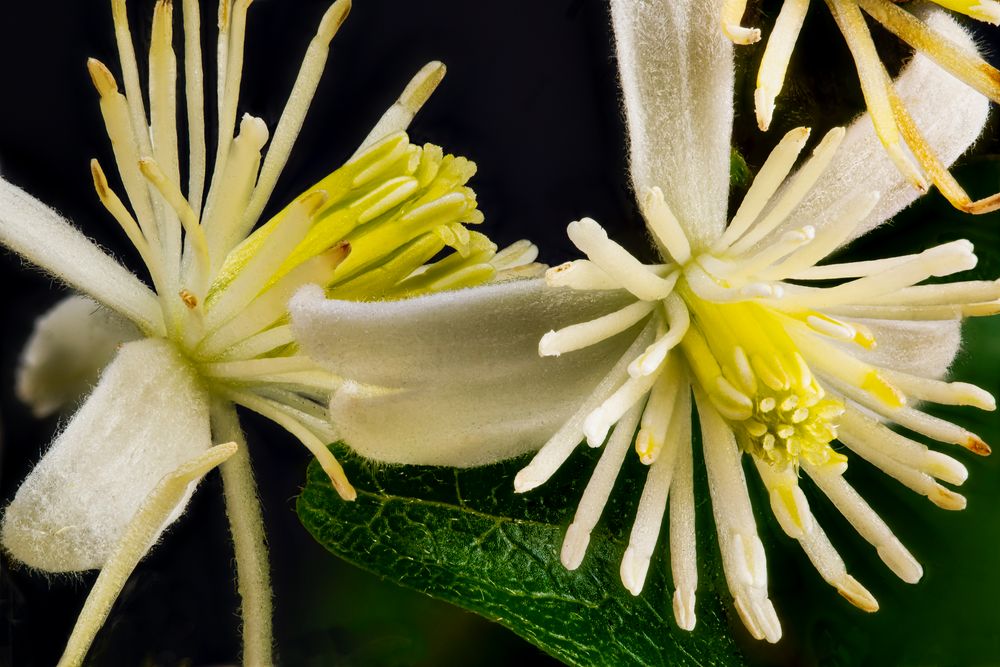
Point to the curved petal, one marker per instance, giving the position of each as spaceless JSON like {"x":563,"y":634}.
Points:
{"x":147,"y":416}
{"x":677,"y":81}
{"x":70,"y":346}
{"x":462,"y":383}
{"x":950,"y":114}
{"x":926,"y":349}
{"x":35,"y":231}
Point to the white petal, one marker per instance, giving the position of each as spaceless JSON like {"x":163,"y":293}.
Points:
{"x":70,"y":346}
{"x":147,"y":416}
{"x":463,"y":382}
{"x":32,"y":229}
{"x":949,"y":113}
{"x":484,"y":333}
{"x":921,"y":348}
{"x":677,"y":79}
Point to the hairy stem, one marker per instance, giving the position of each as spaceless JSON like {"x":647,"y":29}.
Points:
{"x":247,"y":526}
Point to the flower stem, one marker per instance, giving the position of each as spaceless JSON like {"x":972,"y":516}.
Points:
{"x":247,"y":526}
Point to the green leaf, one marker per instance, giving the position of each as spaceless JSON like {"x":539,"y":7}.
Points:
{"x":465,"y":537}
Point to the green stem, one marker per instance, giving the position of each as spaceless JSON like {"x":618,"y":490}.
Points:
{"x":247,"y":526}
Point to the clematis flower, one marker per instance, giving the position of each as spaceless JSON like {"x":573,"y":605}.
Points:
{"x":904,"y":137}
{"x":212,"y":332}
{"x":739,"y":322}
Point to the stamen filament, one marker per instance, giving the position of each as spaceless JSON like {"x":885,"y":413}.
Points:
{"x":939,"y":261}
{"x":232,"y":28}
{"x":246,"y":369}
{"x":275,"y":413}
{"x":115,"y":110}
{"x":664,"y":225}
{"x":935,"y":169}
{"x":920,"y":482}
{"x":269,"y":307}
{"x":743,"y":560}
{"x":224,"y":215}
{"x":580,"y":274}
{"x":658,"y":415}
{"x":598,"y":490}
{"x":866,"y":522}
{"x":765,"y":184}
{"x":632,"y":392}
{"x":555,"y":452}
{"x":261,"y":343}
{"x":943,"y":393}
{"x":732,"y":15}
{"x":232,"y":298}
{"x":128,"y":224}
{"x":875,"y":84}
{"x":617,"y":262}
{"x":399,"y":116}
{"x":194,"y":84}
{"x":683,"y":540}
{"x":649,"y":517}
{"x":830,"y":237}
{"x":195,"y":234}
{"x":963,"y":64}
{"x":777,"y":53}
{"x":163,"y":119}
{"x":797,"y":188}
{"x":917,"y":421}
{"x":679,"y":320}
{"x":130,"y":76}
{"x":296,"y":108}
{"x":585,"y":334}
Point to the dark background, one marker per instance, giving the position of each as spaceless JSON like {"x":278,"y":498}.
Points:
{"x":530,"y":96}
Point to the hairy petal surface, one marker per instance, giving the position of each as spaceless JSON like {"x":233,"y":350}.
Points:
{"x":676,"y":70}
{"x":70,"y":346}
{"x":42,"y":236}
{"x":921,"y":348}
{"x":950,"y":114}
{"x":453,"y":378}
{"x":147,"y":416}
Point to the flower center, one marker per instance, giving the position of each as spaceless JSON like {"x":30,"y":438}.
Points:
{"x":747,"y":363}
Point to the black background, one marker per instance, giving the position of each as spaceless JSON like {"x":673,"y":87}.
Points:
{"x":530,"y":95}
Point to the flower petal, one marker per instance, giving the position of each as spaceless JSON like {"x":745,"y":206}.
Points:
{"x":70,"y":346}
{"x":921,"y":348}
{"x":147,"y":416}
{"x":950,"y":114}
{"x":677,"y":80}
{"x":32,"y":229}
{"x":461,"y":379}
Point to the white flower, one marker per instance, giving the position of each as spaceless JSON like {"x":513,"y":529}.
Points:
{"x":213,"y":331}
{"x":924,"y":31}
{"x":777,"y":367}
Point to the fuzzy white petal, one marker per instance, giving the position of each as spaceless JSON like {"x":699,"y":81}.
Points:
{"x":921,"y":348}
{"x":950,"y":114}
{"x":32,"y":229}
{"x":487,"y":333}
{"x":147,"y":416}
{"x":461,"y":380}
{"x":70,"y":346}
{"x":676,"y":71}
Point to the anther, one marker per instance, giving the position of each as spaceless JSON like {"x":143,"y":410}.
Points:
{"x":189,"y":299}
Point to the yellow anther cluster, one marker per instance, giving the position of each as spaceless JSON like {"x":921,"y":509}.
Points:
{"x":751,"y":369}
{"x":787,"y":426}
